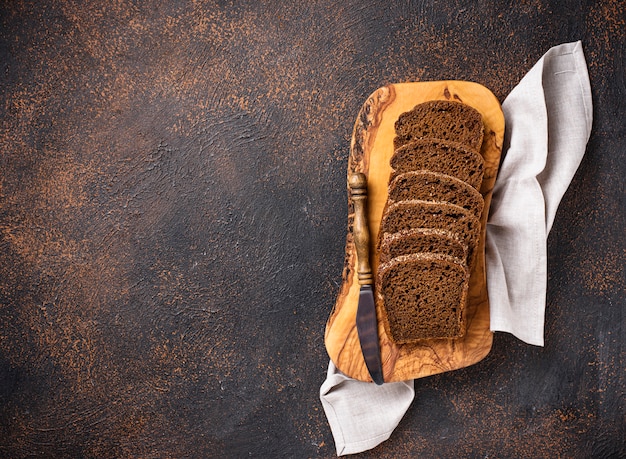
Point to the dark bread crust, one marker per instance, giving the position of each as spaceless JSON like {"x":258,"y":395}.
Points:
{"x":445,"y":157}
{"x":406,"y":215}
{"x":440,"y":119}
{"x":429,"y":240}
{"x":434,"y":186}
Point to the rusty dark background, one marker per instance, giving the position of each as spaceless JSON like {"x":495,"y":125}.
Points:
{"x":172,"y":227}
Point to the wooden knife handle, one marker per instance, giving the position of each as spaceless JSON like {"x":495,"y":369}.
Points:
{"x":358,"y":188}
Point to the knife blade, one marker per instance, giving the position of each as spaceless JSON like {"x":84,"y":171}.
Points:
{"x":366,"y":322}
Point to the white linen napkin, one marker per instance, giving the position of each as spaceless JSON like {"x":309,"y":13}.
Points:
{"x":362,"y":415}
{"x":548,"y":119}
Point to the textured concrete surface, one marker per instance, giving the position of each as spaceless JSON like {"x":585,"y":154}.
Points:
{"x":172,"y":226}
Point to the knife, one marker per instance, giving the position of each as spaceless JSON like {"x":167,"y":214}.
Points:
{"x":366,"y":324}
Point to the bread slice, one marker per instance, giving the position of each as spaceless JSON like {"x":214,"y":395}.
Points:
{"x":433,"y":186}
{"x":440,"y":119}
{"x":445,"y":157}
{"x":407,"y":215}
{"x":430,"y":240}
{"x":423,"y":296}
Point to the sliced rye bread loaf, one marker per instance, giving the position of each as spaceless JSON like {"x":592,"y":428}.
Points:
{"x":423,"y":296}
{"x":430,"y":240}
{"x":430,"y":228}
{"x":445,"y":157}
{"x":440,"y":119}
{"x":434,"y":186}
{"x":407,"y":215}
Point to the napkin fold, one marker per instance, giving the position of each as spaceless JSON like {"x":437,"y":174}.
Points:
{"x":548,"y":119}
{"x":362,"y":415}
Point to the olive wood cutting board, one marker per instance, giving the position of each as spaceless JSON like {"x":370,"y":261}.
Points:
{"x":370,"y":150}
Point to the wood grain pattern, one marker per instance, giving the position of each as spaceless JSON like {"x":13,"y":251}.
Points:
{"x":371,"y":149}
